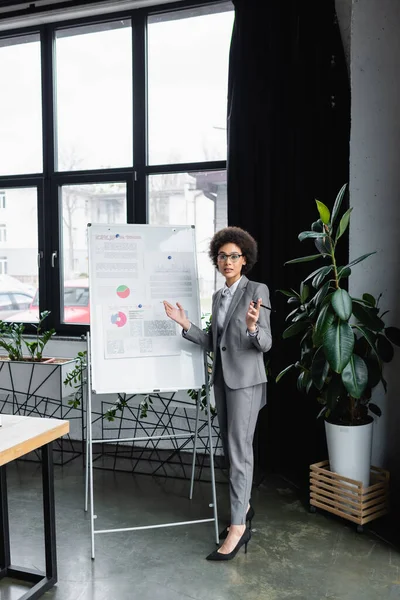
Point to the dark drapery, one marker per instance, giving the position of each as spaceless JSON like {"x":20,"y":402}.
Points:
{"x":288,"y":143}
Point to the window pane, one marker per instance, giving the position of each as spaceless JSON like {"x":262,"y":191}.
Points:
{"x":193,"y":199}
{"x":83,"y":204}
{"x":20,"y":106}
{"x":188,"y":55}
{"x":94,"y":96}
{"x":18,"y":254}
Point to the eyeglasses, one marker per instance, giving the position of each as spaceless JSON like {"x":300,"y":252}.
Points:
{"x":222,"y":257}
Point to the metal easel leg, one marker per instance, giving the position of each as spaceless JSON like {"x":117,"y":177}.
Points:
{"x":89,"y":435}
{"x":196,"y":431}
{"x":88,"y":420}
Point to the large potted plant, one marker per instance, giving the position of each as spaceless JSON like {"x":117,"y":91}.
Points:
{"x":343,"y":343}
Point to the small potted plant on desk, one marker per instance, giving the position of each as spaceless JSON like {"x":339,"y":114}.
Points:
{"x":343,"y":342}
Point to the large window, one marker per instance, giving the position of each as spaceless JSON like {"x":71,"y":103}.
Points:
{"x":94,"y":96}
{"x":187,"y":69}
{"x":19,"y":254}
{"x":20,"y":105}
{"x":118,"y":119}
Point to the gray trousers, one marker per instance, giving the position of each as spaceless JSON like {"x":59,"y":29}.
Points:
{"x":237,"y":417}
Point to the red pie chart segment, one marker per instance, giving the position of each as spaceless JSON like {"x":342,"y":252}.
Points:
{"x":119,"y":319}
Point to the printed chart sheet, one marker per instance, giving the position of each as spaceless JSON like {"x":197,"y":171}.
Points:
{"x":132,"y":282}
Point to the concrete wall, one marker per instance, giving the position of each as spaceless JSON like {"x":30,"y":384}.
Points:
{"x":375,"y":187}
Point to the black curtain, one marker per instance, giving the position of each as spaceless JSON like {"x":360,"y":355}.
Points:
{"x":288,"y":143}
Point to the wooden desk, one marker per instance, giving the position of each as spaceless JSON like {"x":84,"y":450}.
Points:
{"x":19,"y":436}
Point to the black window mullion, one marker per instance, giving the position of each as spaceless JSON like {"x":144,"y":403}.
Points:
{"x":49,"y":293}
{"x":42,"y":252}
{"x":130,"y":199}
{"x":139,"y":62}
{"x":216,"y":165}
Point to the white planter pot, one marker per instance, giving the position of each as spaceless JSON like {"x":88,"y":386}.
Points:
{"x":36,"y":379}
{"x":349,"y":450}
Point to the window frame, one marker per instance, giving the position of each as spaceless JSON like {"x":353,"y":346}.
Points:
{"x":50,"y":181}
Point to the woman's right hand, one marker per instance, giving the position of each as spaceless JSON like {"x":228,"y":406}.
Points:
{"x":177,"y":314}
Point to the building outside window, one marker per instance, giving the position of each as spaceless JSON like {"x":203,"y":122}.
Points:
{"x":3,"y":265}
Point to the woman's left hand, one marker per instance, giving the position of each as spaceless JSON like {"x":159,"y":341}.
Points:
{"x":252,"y":315}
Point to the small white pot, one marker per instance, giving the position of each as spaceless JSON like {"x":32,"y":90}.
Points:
{"x":350,"y":449}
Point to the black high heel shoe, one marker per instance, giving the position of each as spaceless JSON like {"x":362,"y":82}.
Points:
{"x":244,"y":540}
{"x":249,"y":517}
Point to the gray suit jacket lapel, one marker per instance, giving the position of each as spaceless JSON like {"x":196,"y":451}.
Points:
{"x":235,"y":301}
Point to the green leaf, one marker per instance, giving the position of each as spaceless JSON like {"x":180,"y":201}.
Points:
{"x":338,"y":343}
{"x":294,"y":329}
{"x":302,"y":259}
{"x":306,"y":340}
{"x":355,"y":376}
{"x":344,"y":222}
{"x":358,"y":260}
{"x":343,"y":272}
{"x":317,"y":226}
{"x":287,"y":293}
{"x":282,"y":373}
{"x":323,"y":245}
{"x":318,"y":279}
{"x":369,"y":336}
{"x":338,"y":203}
{"x":302,"y":380}
{"x":304,"y":292}
{"x":300,"y":316}
{"x":314,"y":273}
{"x":367,"y":317}
{"x":328,"y":298}
{"x":393,"y":334}
{"x":310,"y":234}
{"x":375,"y":409}
{"x":385,"y":349}
{"x":342,"y":304}
{"x":374,"y":371}
{"x":319,"y":368}
{"x":369,"y":299}
{"x":323,"y":212}
{"x":292,"y":313}
{"x":321,"y":294}
{"x":325,"y":320}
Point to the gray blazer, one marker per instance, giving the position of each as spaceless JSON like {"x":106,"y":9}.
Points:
{"x":241,"y":354}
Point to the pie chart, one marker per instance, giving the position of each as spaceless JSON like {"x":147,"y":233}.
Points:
{"x":123,"y":291}
{"x":119,"y":319}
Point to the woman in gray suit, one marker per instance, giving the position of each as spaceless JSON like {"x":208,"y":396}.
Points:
{"x":239,"y":335}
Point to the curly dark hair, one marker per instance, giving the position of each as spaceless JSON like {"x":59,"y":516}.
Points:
{"x":238,"y":236}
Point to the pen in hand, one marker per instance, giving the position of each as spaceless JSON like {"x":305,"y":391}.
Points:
{"x":263,"y":305}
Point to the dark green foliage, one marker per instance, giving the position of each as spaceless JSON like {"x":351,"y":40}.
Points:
{"x":75,"y":379}
{"x":343,"y":341}
{"x":13,"y":342}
